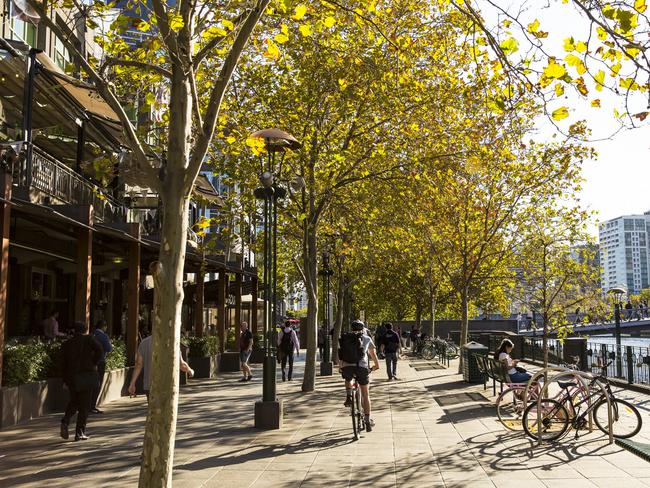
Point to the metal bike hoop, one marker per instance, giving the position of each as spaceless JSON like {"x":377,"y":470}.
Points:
{"x":584,"y":378}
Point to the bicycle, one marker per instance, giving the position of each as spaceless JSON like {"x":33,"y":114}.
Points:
{"x":358,"y":418}
{"x":557,"y":416}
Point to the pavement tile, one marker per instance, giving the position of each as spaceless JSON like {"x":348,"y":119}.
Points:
{"x":416,"y":443}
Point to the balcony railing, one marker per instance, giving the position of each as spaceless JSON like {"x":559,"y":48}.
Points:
{"x":151,"y":222}
{"x":61,"y":183}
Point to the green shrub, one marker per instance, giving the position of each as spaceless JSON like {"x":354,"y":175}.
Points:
{"x":31,"y":360}
{"x":116,"y":359}
{"x":203,"y":346}
{"x":23,"y":363}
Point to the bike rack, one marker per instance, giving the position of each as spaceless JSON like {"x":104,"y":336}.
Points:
{"x":583,"y":378}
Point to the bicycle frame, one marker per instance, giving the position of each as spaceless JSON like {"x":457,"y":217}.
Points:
{"x":583,"y":379}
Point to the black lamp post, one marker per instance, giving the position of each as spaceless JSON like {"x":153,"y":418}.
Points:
{"x":617,"y":292}
{"x":268,"y":412}
{"x":326,"y":272}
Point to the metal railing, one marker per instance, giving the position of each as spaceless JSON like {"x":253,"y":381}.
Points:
{"x":151,"y":221}
{"x":635,"y":361}
{"x":601,"y":356}
{"x":60,"y":182}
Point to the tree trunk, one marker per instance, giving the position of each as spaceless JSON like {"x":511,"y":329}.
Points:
{"x":545,"y":340}
{"x":464,"y":322}
{"x":311,"y":273}
{"x":160,"y":431}
{"x":338,"y":323}
{"x":418,"y":315}
{"x":432,"y":314}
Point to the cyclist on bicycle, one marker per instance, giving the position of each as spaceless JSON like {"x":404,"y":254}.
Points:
{"x":355,"y":347}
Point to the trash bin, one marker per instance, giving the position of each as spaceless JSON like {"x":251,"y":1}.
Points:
{"x":471,"y":372}
{"x":575,"y":347}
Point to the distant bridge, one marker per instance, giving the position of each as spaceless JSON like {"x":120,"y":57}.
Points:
{"x":634,"y":328}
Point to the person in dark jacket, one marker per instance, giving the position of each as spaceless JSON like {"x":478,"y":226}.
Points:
{"x":79,"y":358}
{"x":102,"y":337}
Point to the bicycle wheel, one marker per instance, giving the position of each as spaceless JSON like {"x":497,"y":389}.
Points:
{"x":427,"y":352}
{"x":510,"y":408}
{"x":626,"y":419}
{"x":353,"y":415}
{"x":554,"y":420}
{"x":360,"y":420}
{"x":452,"y":352}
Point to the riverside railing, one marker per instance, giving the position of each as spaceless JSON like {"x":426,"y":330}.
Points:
{"x":601,"y":356}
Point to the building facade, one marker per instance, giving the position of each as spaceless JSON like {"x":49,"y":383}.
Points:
{"x":74,"y":243}
{"x":624,"y":248}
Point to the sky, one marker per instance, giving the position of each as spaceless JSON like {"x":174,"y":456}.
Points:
{"x":618,"y":181}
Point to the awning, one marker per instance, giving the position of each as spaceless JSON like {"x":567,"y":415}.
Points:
{"x":61,"y":103}
{"x":204,"y":189}
{"x":20,"y":9}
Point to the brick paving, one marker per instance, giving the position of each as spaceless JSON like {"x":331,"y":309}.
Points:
{"x":432,"y":430}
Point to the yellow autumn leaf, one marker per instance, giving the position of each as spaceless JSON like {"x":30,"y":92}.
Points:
{"x":510,"y":46}
{"x":176,"y":22}
{"x":559,"y":89}
{"x":581,"y":47}
{"x":640,"y":6}
{"x":285,"y":29}
{"x":576,"y":62}
{"x":596,"y":103}
{"x":602,"y":33}
{"x":272,"y":50}
{"x":230,"y":140}
{"x":533,"y":26}
{"x":569,"y":44}
{"x":599,"y":78}
{"x":343,"y":84}
{"x":329,"y":21}
{"x":143,"y":26}
{"x":554,"y":70}
{"x":227,"y":24}
{"x":560,"y":113}
{"x":300,"y":12}
{"x":305,"y":30}
{"x":281,"y":38}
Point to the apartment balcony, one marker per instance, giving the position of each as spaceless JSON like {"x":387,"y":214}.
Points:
{"x":54,"y":183}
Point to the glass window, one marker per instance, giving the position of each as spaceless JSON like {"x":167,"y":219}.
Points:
{"x":61,"y":56}
{"x":628,"y":224}
{"x":628,"y":238}
{"x":23,"y":31}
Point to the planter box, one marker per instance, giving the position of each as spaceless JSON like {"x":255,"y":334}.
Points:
{"x":257,"y":357}
{"x":19,"y":404}
{"x":229,"y":362}
{"x":204,"y":367}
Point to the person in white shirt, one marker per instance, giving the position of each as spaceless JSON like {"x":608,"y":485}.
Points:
{"x":503,"y":355}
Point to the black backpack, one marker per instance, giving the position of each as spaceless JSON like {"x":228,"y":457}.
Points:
{"x":286,"y":345}
{"x":350,"y":347}
{"x":391,"y":342}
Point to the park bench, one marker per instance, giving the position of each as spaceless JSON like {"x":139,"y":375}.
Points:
{"x":491,"y":368}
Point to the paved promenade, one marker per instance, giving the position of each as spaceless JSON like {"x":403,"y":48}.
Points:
{"x":432,"y":430}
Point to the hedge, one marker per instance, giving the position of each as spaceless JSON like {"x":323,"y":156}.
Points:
{"x":202,"y":346}
{"x":33,"y":360}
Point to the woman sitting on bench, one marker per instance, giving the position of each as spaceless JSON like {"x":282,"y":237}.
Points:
{"x":503,"y":355}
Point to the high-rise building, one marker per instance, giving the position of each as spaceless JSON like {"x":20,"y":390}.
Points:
{"x":624,"y":248}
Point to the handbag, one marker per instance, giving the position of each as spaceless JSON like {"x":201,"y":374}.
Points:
{"x":520,"y":369}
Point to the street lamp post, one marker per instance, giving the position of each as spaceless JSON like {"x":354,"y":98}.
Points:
{"x":617,"y":292}
{"x":326,"y":272}
{"x":268,"y":412}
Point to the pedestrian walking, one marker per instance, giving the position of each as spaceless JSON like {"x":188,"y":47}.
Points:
{"x":102,"y":337}
{"x":79,"y":357}
{"x":628,"y":310}
{"x":143,"y":360}
{"x":245,"y":350}
{"x":288,"y":345}
{"x":391,"y":346}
